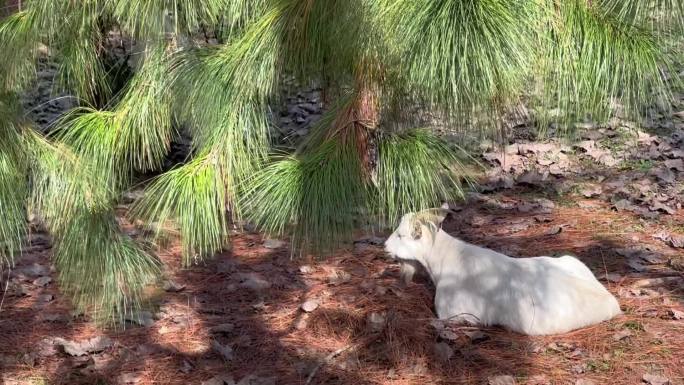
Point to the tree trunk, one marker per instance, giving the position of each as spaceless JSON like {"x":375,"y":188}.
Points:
{"x":367,"y":117}
{"x":358,"y":122}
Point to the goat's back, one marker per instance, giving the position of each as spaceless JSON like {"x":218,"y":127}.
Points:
{"x":540,"y":295}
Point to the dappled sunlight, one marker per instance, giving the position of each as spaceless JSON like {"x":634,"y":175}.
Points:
{"x":360,"y":326}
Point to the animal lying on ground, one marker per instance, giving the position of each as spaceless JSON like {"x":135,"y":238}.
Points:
{"x":534,"y":296}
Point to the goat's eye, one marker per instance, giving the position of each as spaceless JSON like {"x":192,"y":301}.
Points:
{"x":399,"y":236}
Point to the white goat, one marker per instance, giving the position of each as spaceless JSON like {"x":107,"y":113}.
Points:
{"x":534,"y":296}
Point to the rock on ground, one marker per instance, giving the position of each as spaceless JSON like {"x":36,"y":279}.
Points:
{"x":652,"y":379}
{"x":444,"y":352}
{"x":254,"y":281}
{"x":309,"y":306}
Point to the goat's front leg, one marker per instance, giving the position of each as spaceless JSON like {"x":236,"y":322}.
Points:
{"x":449,"y":308}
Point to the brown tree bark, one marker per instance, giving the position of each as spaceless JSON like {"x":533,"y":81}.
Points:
{"x":358,"y":122}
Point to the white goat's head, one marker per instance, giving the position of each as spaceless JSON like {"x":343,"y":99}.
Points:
{"x":414,"y":236}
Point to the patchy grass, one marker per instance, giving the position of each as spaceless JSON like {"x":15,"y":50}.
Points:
{"x":642,"y":165}
{"x":566,"y":200}
{"x":634,"y":325}
{"x":598,"y":366}
{"x":675,"y":225}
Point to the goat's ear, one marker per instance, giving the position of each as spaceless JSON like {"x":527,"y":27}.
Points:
{"x":441,"y":214}
{"x":444,"y":212}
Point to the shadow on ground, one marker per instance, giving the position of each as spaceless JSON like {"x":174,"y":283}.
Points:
{"x":365,"y":330}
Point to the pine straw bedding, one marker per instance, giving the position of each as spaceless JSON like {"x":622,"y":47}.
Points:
{"x":273,"y":337}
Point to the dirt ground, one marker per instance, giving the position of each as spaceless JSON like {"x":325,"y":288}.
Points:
{"x":364,"y":328}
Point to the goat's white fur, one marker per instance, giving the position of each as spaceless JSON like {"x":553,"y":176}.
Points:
{"x":534,"y":296}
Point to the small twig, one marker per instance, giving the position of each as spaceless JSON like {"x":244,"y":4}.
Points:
{"x":450,"y":319}
{"x":329,"y":358}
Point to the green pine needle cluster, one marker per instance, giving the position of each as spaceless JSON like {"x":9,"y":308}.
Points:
{"x":19,"y":47}
{"x":12,"y":196}
{"x":320,"y":193}
{"x":464,"y":55}
{"x":106,"y":272}
{"x":599,"y":59}
{"x":193,"y":196}
{"x":417,"y":170}
{"x":154,"y":18}
{"x":322,"y":196}
{"x":13,"y":191}
{"x":103,"y":270}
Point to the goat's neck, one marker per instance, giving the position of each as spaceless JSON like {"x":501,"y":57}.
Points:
{"x":444,"y":250}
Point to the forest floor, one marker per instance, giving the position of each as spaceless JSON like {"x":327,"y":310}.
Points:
{"x":240,"y":318}
{"x":254,"y":316}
